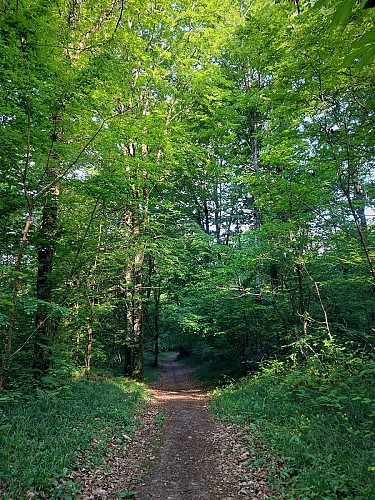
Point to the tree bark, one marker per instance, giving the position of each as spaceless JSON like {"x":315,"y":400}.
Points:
{"x":347,"y":180}
{"x":156,"y":327}
{"x":89,"y":342}
{"x":46,"y":250}
{"x":92,"y":284}
{"x":137,"y":371}
{"x":134,"y":303}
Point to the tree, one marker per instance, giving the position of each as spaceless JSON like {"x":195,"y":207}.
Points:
{"x":184,"y":173}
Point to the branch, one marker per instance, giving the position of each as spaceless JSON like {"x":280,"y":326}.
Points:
{"x":73,"y":163}
{"x":120,"y":16}
{"x":78,"y":251}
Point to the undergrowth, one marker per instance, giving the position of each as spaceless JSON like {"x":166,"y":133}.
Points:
{"x":43,"y":437}
{"x":318,"y":418}
{"x":150,"y":372}
{"x":214,"y":373}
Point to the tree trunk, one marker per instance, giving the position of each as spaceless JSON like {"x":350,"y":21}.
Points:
{"x":206,"y":217}
{"x":134,"y":304}
{"x":128,"y":344}
{"x":156,"y":326}
{"x":92,"y":284}
{"x":89,"y":342}
{"x":46,"y":250}
{"x":347,"y":180}
{"x":137,"y":371}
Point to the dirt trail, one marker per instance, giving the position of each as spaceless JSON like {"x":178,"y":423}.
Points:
{"x":192,"y":457}
{"x":198,"y":457}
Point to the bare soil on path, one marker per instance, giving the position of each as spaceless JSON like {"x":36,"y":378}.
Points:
{"x":199,"y":457}
{"x":191,"y":457}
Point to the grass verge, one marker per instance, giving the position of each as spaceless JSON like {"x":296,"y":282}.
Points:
{"x":318,"y":418}
{"x":45,"y":436}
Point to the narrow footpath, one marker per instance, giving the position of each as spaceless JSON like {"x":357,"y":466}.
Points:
{"x":198,"y":457}
{"x":191,"y":456}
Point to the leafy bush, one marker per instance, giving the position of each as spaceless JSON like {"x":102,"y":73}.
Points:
{"x":318,"y":418}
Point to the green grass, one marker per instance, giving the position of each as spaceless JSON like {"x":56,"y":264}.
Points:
{"x":44,"y":437}
{"x":319,"y":419}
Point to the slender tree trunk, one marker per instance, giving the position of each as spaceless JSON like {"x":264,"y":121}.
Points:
{"x":94,"y":288}
{"x":206,"y":217}
{"x":217,"y":211}
{"x":348,"y":179}
{"x":134,"y":303}
{"x":46,"y":250}
{"x":301,"y":301}
{"x":301,"y":309}
{"x":129,"y":338}
{"x":274,"y":276}
{"x":137,"y":371}
{"x":89,"y":341}
{"x":156,"y":326}
{"x":361,"y":234}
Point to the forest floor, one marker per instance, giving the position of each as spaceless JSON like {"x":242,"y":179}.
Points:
{"x":186,"y":454}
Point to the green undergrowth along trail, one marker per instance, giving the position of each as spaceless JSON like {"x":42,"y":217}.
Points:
{"x":212,"y":373}
{"x":318,"y":418}
{"x":150,"y":372}
{"x":45,"y":436}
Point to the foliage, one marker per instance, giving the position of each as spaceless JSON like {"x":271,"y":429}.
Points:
{"x":45,"y":436}
{"x":318,"y":418}
{"x":364,"y":45}
{"x":243,"y":175}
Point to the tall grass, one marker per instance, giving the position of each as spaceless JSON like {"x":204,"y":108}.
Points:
{"x":43,"y":437}
{"x":318,"y":418}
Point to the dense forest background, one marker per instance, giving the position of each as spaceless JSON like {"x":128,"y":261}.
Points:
{"x":184,"y":174}
{"x":194,"y":176}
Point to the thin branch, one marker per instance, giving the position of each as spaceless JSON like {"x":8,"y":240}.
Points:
{"x":73,"y":163}
{"x":120,"y":16}
{"x":78,"y":251}
{"x":37,"y":328}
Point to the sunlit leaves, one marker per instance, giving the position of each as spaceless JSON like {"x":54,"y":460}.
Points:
{"x":362,"y":51}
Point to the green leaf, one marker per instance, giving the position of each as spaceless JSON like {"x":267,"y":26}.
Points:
{"x":367,"y":59}
{"x":342,"y":13}
{"x":366,"y":38}
{"x":350,"y":58}
{"x":127,"y":493}
{"x":319,"y":4}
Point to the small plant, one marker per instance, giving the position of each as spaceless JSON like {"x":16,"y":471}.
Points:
{"x":160,"y":419}
{"x":318,"y":417}
{"x":44,"y":438}
{"x":127,"y":493}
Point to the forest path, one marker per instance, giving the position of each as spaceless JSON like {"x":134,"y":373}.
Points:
{"x":198,"y":457}
{"x":192,"y":457}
